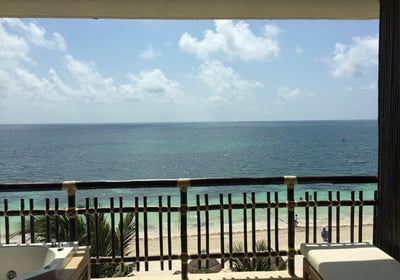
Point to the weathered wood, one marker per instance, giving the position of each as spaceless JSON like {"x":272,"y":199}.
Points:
{"x":192,"y":9}
{"x":387,"y":226}
{"x":338,"y":217}
{"x":160,"y":232}
{"x":352,"y":216}
{"x":222,"y":231}
{"x":237,"y":182}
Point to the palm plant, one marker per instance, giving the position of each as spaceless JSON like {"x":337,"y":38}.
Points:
{"x":257,"y":263}
{"x":104,"y":235}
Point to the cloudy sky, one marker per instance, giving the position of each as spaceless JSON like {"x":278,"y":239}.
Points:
{"x":69,"y":71}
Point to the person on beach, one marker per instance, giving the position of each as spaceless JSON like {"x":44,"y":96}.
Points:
{"x":325,"y":234}
{"x":296,"y":221}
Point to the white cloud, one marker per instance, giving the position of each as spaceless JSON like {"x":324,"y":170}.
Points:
{"x":225,"y":84}
{"x":42,"y":89}
{"x":285,"y":94}
{"x":233,"y":40}
{"x":18,"y":81}
{"x":271,"y":30}
{"x":90,"y":83}
{"x":369,"y":87}
{"x":149,"y":53}
{"x":354,"y":59}
{"x":80,"y":79}
{"x":299,"y":50}
{"x":13,"y":48}
{"x":153,"y":85}
{"x":21,"y":83}
{"x":15,"y":78}
{"x":36,"y":34}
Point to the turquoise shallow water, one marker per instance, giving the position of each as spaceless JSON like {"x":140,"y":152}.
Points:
{"x":58,"y":152}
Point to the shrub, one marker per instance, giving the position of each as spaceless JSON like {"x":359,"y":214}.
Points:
{"x":256,"y":263}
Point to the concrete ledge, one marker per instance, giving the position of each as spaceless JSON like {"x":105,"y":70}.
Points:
{"x":350,"y":261}
{"x":155,"y":273}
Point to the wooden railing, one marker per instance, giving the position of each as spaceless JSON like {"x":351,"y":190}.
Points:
{"x":153,"y":222}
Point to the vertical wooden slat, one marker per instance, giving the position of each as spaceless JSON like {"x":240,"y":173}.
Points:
{"x":291,"y":181}
{"x":375,"y":217}
{"x":137,"y":239}
{"x":245,"y":226}
{"x":6,"y":221}
{"x":253,"y":227}
{"x":72,"y":215}
{"x":31,"y":220}
{"x":221,"y":229}
{"x":57,"y":218}
{"x":121,"y":233}
{"x":96,"y":228}
{"x":47,"y":217}
{"x":169,"y":232}
{"x":88,"y":222}
{"x":198,"y":230}
{"x":112,"y":218}
{"x":207,"y":230}
{"x":315,"y":217}
{"x":360,"y":216}
{"x":160,"y":232}
{"x":330,"y":216}
{"x":146,"y":234}
{"x":269,"y":227}
{"x":352,"y":217}
{"x":307,"y":214}
{"x":230,"y":229}
{"x":277,"y":227}
{"x":22,"y":214}
{"x":338,"y":217}
{"x":183,"y":187}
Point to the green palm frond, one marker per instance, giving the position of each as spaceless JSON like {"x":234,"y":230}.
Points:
{"x":128,"y":232}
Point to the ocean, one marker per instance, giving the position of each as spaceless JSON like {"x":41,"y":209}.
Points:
{"x":81,"y":152}
{"x":58,"y":152}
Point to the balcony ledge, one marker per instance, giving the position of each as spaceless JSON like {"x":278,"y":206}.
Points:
{"x":154,"y":273}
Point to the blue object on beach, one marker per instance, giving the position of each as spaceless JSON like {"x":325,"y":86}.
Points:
{"x":325,"y":234}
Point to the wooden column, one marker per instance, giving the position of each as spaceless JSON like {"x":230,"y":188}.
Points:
{"x":387,"y":225}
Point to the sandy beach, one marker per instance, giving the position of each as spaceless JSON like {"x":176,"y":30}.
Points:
{"x":238,"y":237}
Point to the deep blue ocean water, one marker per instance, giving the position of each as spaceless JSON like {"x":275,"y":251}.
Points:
{"x":58,"y":152}
{"x":130,"y":151}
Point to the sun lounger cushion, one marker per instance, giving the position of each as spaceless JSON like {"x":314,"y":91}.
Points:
{"x":350,"y":261}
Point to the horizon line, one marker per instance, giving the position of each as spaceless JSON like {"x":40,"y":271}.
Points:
{"x":177,"y":122}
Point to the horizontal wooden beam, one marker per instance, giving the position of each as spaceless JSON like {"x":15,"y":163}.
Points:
{"x":192,"y":9}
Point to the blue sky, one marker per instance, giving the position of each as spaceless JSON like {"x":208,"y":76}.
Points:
{"x":70,"y":70}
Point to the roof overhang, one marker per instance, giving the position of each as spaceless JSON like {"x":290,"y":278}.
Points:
{"x":192,"y":9}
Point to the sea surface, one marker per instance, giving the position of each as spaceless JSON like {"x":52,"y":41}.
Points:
{"x":81,"y":152}
{"x":57,"y":152}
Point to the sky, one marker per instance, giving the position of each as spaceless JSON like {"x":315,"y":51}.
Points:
{"x":102,"y":71}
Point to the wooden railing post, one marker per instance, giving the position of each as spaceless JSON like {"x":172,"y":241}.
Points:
{"x":70,"y":187}
{"x":183,"y":185}
{"x":290,"y":182}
